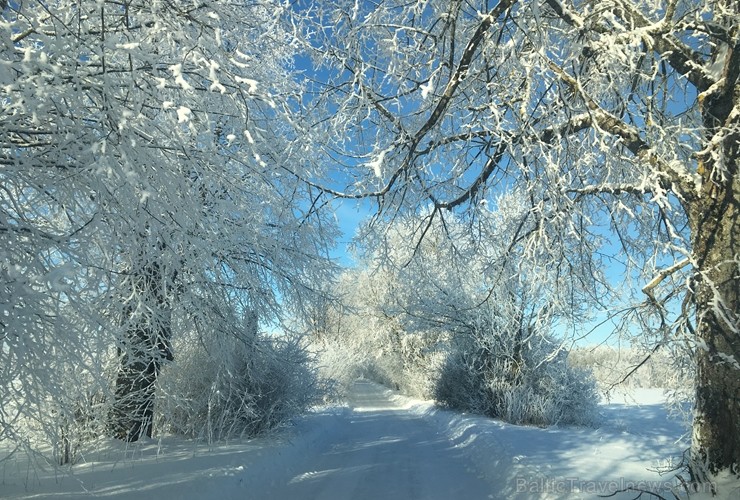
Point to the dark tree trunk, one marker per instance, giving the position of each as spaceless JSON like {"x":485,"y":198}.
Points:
{"x":715,"y":244}
{"x":717,"y":421}
{"x":146,"y":345}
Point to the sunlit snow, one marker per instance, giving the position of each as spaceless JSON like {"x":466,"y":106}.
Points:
{"x":382,"y":445}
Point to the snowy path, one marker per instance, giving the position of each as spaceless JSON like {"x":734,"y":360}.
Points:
{"x":382,"y":446}
{"x":378,"y":450}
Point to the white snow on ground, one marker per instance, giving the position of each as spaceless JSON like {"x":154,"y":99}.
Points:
{"x":169,"y":467}
{"x":569,"y":462}
{"x":381,"y":446}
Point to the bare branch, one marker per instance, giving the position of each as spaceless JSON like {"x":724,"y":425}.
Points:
{"x":647,"y":289}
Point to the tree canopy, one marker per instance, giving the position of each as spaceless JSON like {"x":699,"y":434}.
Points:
{"x":615,"y":121}
{"x":142,"y":154}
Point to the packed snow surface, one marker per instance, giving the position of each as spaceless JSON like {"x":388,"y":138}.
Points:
{"x":381,"y":445}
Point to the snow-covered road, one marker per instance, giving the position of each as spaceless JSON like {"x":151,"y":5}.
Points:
{"x":379,"y":446}
{"x":377,"y":450}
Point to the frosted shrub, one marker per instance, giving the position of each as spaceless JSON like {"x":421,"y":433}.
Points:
{"x":75,"y":413}
{"x":237,"y":388}
{"x":577,"y":398}
{"x":459,"y":386}
{"x":422,"y":357}
{"x":540,"y":390}
{"x":60,"y":404}
{"x":79,"y":414}
{"x":521,"y":404}
{"x":411,"y":366}
{"x":419,"y":381}
{"x":337,"y":364}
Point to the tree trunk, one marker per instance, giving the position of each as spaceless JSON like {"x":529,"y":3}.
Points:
{"x":717,"y":419}
{"x":144,"y":348}
{"x":715,"y":244}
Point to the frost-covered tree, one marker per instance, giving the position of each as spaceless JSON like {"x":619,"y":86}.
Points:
{"x":444,"y":319}
{"x":617,"y":122}
{"x":142,"y":154}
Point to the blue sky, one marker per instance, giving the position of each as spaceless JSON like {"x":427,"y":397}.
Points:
{"x":349,"y":215}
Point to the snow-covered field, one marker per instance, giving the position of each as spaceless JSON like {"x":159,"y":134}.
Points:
{"x":380,"y":444}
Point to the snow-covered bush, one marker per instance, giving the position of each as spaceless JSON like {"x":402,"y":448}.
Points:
{"x":55,"y":379}
{"x":353,"y":338}
{"x":422,"y":356}
{"x":539,"y":389}
{"x":80,"y":410}
{"x":406,"y":362}
{"x":338,"y":364}
{"x":236,"y":387}
{"x":54,"y":424}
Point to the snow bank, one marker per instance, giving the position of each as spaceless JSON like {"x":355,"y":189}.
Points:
{"x":517,"y":462}
{"x":636,"y":439}
{"x":170,"y":467}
